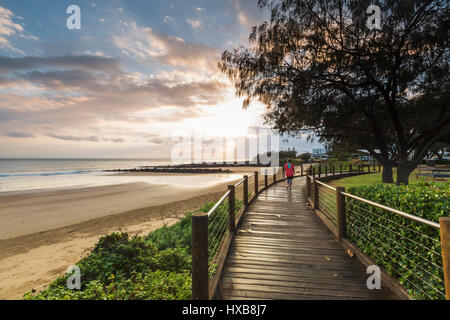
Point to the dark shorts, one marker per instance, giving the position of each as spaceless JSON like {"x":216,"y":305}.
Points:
{"x":289,"y":179}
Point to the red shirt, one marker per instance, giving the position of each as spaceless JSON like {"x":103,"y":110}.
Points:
{"x":289,"y":169}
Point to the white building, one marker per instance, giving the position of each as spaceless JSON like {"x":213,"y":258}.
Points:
{"x":318,"y":152}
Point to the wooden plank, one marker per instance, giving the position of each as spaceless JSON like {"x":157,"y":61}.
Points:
{"x":312,"y":264}
{"x":319,"y":261}
{"x":287,"y":252}
{"x":349,"y":288}
{"x":283,"y":279}
{"x":276,"y":270}
{"x":284,"y":251}
{"x":301,"y":293}
{"x":331,"y":243}
{"x":258,"y":295}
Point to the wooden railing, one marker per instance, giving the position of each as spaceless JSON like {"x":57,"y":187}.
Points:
{"x":407,"y":248}
{"x":213,"y":232}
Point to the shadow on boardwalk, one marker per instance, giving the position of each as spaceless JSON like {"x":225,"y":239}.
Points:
{"x":284,"y":251}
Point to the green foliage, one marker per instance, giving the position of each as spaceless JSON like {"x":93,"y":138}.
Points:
{"x":157,"y":285}
{"x":407,"y":250}
{"x":176,"y":236}
{"x":305,"y":156}
{"x":284,"y":155}
{"x":119,"y":267}
{"x":156,"y":266}
{"x":427,"y":199}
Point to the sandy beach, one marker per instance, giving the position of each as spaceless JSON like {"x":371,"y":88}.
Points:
{"x":42,"y":233}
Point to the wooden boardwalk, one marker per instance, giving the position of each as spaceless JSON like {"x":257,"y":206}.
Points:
{"x":284,"y":251}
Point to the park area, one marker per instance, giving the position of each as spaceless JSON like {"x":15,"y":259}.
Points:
{"x":411,"y":246}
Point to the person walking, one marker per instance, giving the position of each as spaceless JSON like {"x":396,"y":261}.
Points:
{"x":289,"y":172}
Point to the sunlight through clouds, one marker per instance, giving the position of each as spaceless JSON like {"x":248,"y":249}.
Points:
{"x":125,"y":78}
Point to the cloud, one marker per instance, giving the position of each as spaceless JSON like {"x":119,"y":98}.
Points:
{"x":147,"y":44}
{"x":9,"y":28}
{"x":18,"y":134}
{"x":248,"y":13}
{"x":114,"y":91}
{"x":72,"y":92}
{"x":168,"y":19}
{"x":80,"y":62}
{"x":196,"y":24}
{"x":74,"y":138}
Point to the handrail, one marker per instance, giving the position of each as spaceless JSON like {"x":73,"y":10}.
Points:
{"x":356,"y":227}
{"x":326,"y":186}
{"x":204,"y":285}
{"x":401,"y":213}
{"x":218,"y":203}
{"x":239,"y":183}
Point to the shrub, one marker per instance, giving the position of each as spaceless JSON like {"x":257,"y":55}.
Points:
{"x":157,"y":285}
{"x":407,"y":250}
{"x":178,"y":235}
{"x":122,"y":267}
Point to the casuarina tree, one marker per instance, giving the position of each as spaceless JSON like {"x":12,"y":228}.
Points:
{"x":333,"y":69}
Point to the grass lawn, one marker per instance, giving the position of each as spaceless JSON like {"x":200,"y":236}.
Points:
{"x":368,"y":179}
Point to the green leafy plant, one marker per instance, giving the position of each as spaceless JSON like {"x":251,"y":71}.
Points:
{"x":409,"y":251}
{"x":156,"y":266}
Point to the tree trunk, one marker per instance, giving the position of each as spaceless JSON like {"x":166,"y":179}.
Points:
{"x":403,"y":172}
{"x":387,"y":176}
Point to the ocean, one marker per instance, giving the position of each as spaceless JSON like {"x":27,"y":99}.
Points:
{"x":35,"y":174}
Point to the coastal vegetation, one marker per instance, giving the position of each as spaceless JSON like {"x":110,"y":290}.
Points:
{"x":396,"y":243}
{"x":156,"y":266}
{"x":123,"y":267}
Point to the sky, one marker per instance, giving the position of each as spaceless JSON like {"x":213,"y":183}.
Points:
{"x":137,"y":74}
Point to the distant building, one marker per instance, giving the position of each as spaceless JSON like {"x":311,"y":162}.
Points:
{"x":319,"y":152}
{"x":364,"y":155}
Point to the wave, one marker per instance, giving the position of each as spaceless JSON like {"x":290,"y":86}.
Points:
{"x":43,"y":174}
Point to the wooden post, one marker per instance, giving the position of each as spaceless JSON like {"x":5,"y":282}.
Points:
{"x":326,"y":171}
{"x":200,"y":277}
{"x":314,"y":172}
{"x":256,"y":183}
{"x":320,"y":170}
{"x":445,"y":245}
{"x":245,"y":191}
{"x":231,"y":208}
{"x":316,"y":194}
{"x":301,"y":169}
{"x":340,"y":169}
{"x":379,"y":167}
{"x":341,"y":219}
{"x":307,"y":186}
{"x":334,"y":171}
{"x":359,"y":168}
{"x":350,"y":168}
{"x":266,"y":178}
